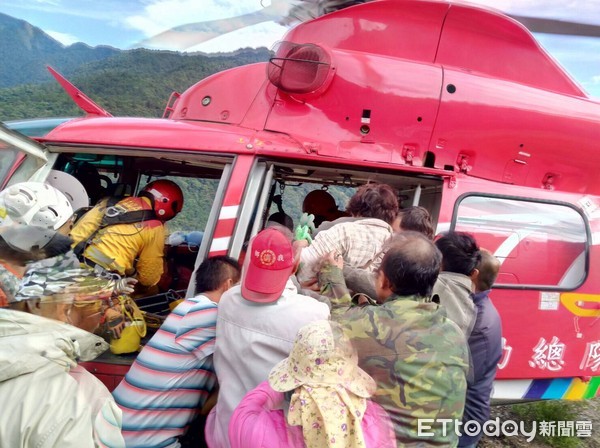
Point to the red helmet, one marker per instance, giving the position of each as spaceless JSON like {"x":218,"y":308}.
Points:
{"x":166,"y":196}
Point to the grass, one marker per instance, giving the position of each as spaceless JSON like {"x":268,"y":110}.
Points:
{"x":550,"y":411}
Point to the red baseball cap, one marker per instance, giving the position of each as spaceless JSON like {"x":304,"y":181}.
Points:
{"x":269,"y":266}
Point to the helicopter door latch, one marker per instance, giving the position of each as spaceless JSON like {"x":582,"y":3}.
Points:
{"x":408,"y":154}
{"x":549,"y":181}
{"x":463,"y":163}
{"x":311,"y":147}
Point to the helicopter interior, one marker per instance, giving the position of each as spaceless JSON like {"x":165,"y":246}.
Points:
{"x":108,"y":173}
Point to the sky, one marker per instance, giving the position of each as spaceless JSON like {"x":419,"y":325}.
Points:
{"x":130,"y":23}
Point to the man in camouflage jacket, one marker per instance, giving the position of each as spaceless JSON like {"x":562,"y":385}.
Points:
{"x":417,"y":356}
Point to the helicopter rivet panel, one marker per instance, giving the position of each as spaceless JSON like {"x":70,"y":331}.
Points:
{"x":518,"y":133}
{"x":225,"y":97}
{"x":499,"y":47}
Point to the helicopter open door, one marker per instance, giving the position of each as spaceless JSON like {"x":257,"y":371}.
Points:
{"x":22,"y":158}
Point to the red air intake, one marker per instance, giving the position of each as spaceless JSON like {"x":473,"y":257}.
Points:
{"x":300,"y":68}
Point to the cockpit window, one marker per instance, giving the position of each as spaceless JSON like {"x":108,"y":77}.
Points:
{"x":542,"y":245}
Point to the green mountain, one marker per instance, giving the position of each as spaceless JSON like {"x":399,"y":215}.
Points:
{"x":25,"y":50}
{"x":132,"y":83}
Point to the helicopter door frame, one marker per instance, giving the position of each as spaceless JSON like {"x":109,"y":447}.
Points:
{"x":232,"y":210}
{"x":210,"y":227}
{"x":32,"y":160}
{"x":252,"y":204}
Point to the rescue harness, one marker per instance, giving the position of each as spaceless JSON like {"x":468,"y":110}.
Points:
{"x":112,"y":214}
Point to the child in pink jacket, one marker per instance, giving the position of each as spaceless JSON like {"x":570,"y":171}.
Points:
{"x":329,"y":406}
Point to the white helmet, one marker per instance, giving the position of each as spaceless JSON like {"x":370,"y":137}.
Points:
{"x":71,"y":187}
{"x":35,"y":204}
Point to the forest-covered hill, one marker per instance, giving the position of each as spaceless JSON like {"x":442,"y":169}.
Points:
{"x":131,"y":82}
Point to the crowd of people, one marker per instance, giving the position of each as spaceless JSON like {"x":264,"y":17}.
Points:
{"x":345,"y":336}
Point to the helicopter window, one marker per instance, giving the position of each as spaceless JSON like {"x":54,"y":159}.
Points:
{"x":196,"y":208}
{"x":542,"y":245}
{"x":198,"y":176}
{"x":293,"y":182}
{"x":293,"y":195}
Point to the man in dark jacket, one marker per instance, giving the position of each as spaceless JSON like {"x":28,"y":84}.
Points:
{"x":486,"y":349}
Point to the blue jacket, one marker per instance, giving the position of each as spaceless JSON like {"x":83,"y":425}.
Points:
{"x":486,"y":349}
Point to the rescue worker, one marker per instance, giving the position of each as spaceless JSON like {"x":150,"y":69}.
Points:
{"x":128,"y":237}
{"x":485,"y":344}
{"x":24,"y":204}
{"x":177,"y":358}
{"x":257,"y":322}
{"x":454,"y":287}
{"x":321,"y":204}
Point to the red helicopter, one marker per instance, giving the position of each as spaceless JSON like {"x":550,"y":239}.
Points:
{"x":456,"y":106}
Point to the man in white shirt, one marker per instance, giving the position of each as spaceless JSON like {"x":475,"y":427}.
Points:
{"x":257,"y":323}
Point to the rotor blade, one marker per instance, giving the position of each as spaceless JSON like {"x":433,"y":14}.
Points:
{"x":552,"y":26}
{"x":284,"y":12}
{"x":191,"y":34}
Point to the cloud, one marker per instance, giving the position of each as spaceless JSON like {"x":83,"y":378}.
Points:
{"x":262,"y":35}
{"x":161,"y":15}
{"x":571,"y":10}
{"x":158,"y":16}
{"x":102,"y":12}
{"x":63,"y":38}
{"x":214,"y":25}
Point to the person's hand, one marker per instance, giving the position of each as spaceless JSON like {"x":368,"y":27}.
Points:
{"x":311,"y":284}
{"x":333,"y":259}
{"x":300,"y":244}
{"x":305,"y":228}
{"x":125,"y":285}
